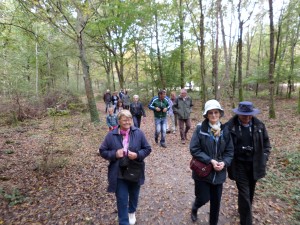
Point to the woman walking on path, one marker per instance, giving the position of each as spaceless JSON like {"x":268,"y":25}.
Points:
{"x":137,"y":111}
{"x":125,"y":142}
{"x":211,"y":143}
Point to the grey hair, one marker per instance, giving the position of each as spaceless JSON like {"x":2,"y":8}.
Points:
{"x":135,"y":96}
{"x":125,"y":113}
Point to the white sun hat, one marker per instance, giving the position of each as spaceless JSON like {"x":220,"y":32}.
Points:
{"x":212,"y":104}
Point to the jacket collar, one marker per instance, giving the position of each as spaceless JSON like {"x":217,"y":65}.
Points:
{"x":116,"y":131}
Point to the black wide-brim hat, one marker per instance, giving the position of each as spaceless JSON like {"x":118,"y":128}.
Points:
{"x":246,"y":108}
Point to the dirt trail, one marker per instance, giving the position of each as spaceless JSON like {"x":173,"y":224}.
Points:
{"x":75,"y":192}
{"x":168,"y":193}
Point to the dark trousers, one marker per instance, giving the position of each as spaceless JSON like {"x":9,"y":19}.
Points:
{"x":137,"y":121}
{"x":183,"y":132}
{"x":205,"y":192}
{"x":246,"y":188}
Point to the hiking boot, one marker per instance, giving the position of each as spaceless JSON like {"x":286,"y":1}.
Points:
{"x":156,"y":140}
{"x":183,"y":142}
{"x":163,"y":145}
{"x":194,"y":215}
{"x":132,"y":219}
{"x":168,"y":132}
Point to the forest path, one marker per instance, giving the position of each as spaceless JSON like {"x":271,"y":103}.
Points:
{"x":168,"y":192}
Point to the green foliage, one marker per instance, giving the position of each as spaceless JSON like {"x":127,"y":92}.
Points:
{"x":296,"y":202}
{"x":57,"y":112}
{"x":298,"y":107}
{"x":283,"y":181}
{"x":8,"y":151}
{"x":14,"y":197}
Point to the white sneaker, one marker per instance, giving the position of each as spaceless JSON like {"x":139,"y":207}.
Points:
{"x":132,"y":218}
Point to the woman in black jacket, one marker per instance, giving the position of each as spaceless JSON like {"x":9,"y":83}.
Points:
{"x":137,"y":111}
{"x":211,"y":143}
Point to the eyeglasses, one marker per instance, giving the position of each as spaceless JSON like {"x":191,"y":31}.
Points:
{"x":213,"y":112}
{"x":126,"y":121}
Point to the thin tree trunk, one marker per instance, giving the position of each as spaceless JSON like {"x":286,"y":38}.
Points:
{"x":240,"y":54}
{"x":136,"y":65}
{"x":85,"y":68}
{"x":182,"y":60}
{"x":202,"y":55}
{"x":292,"y":64}
{"x":160,"y":70}
{"x":272,"y":64}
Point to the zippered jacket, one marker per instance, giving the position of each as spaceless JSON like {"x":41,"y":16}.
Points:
{"x":112,"y":142}
{"x":261,"y":147}
{"x":183,"y":107}
{"x":156,"y":102}
{"x":205,"y":147}
{"x":137,"y":109}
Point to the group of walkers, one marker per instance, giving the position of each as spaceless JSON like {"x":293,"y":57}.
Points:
{"x":240,"y":147}
{"x":115,"y":103}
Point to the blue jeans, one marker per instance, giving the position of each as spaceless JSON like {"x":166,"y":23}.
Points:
{"x":161,"y":127}
{"x":125,"y":190}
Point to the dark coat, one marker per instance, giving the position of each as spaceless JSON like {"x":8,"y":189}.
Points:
{"x":137,"y":109}
{"x":113,"y":142}
{"x":261,"y":146}
{"x":205,"y":148}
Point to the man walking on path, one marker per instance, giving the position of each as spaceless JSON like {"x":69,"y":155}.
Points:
{"x":160,"y":106}
{"x":251,"y":152}
{"x":183,"y":107}
{"x":107,"y":99}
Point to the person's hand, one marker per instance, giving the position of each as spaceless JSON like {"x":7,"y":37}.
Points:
{"x":120,"y":153}
{"x":165,"y":110}
{"x":218,"y":166}
{"x":132,"y":155}
{"x":157,"y":109}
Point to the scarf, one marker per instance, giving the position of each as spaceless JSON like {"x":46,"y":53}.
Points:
{"x":215,"y":129}
{"x":125,"y":142}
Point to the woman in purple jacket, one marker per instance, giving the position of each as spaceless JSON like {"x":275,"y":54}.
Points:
{"x":126,"y":140}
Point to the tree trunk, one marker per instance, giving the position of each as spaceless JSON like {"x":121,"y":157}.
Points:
{"x":85,"y":69}
{"x":258,"y":56}
{"x":202,"y":55}
{"x":160,"y":70}
{"x":216,"y":54}
{"x":272,"y":64}
{"x":136,"y":65}
{"x":182,"y":61}
{"x":240,"y":54}
{"x":292,"y":64}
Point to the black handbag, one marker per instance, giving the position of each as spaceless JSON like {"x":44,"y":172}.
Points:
{"x":200,"y":168}
{"x":124,"y":161}
{"x":133,"y":171}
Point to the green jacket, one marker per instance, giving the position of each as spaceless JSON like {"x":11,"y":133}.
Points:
{"x":183,"y":108}
{"x":156,"y":102}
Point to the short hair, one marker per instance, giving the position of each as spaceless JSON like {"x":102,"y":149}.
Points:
{"x":125,"y":113}
{"x":135,"y":96}
{"x":183,"y":90}
{"x":111,"y":109}
{"x":162,"y":92}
